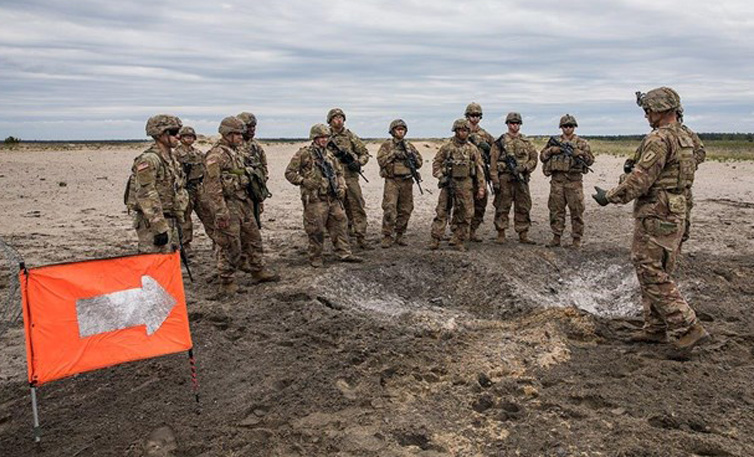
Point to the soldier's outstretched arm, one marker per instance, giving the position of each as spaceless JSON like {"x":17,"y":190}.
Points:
{"x":646,"y":171}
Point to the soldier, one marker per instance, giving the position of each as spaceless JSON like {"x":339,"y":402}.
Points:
{"x":566,"y":163}
{"x":256,"y":163}
{"x":659,"y":183}
{"x":513,"y":158}
{"x":236,"y":233}
{"x":356,"y":156}
{"x":323,"y":187}
{"x":396,"y":157}
{"x":192,"y":161}
{"x":156,"y":189}
{"x":483,"y":140}
{"x":458,"y":167}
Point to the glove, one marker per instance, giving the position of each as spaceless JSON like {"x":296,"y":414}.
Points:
{"x":484,"y":146}
{"x":222,"y":222}
{"x":341,"y":193}
{"x":496,"y":186}
{"x":601,"y":196}
{"x":354,"y":166}
{"x":480,"y":193}
{"x":310,"y":184}
{"x":628,"y":166}
{"x":261,"y":207}
{"x":443,"y":182}
{"x":161,"y":239}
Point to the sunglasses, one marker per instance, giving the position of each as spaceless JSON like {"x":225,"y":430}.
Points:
{"x":475,"y":115}
{"x":517,"y":123}
{"x":172,"y":132}
{"x":569,"y":126}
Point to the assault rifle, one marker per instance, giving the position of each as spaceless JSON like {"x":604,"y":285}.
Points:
{"x":184,"y":258}
{"x":567,"y":149}
{"x":448,"y":181}
{"x":413,"y":165}
{"x":511,"y":164}
{"x":346,"y":158}
{"x":327,"y":171}
{"x":486,"y":163}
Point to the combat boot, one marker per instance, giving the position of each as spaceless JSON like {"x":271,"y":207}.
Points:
{"x":523,"y":238}
{"x":576,"y":243}
{"x":460,"y":246}
{"x":694,"y":336}
{"x":229,"y":290}
{"x":555,"y":242}
{"x":387,"y":241}
{"x":399,"y":240}
{"x":351,"y":259}
{"x":500,"y":237}
{"x":434,"y":244}
{"x":474,"y":237}
{"x":453,"y":240}
{"x":643,"y":336}
{"x":264,"y":276}
{"x":363,"y":244}
{"x":316,"y":263}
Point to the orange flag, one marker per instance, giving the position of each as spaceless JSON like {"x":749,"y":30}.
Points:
{"x":88,"y":315}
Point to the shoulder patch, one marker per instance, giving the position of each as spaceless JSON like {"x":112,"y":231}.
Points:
{"x":648,"y":158}
{"x":142,"y":166}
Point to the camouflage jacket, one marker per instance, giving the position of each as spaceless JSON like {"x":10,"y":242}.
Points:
{"x":192,"y":161}
{"x":255,"y":157}
{"x":393,"y":159}
{"x":349,"y":142}
{"x":520,"y":147}
{"x":304,"y":165}
{"x":557,"y":164}
{"x":225,"y":178}
{"x":460,"y":160}
{"x":156,"y":188}
{"x":661,"y":176}
{"x":477,"y":136}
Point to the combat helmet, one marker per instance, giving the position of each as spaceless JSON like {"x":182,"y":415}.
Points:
{"x":319,"y":130}
{"x":247,"y":118}
{"x":158,"y":124}
{"x":231,"y":124}
{"x":513,"y":117}
{"x":460,"y":124}
{"x":659,"y":100}
{"x":568,"y":120}
{"x":335,"y":112}
{"x":473,"y":108}
{"x":397,"y":123}
{"x":186,"y":131}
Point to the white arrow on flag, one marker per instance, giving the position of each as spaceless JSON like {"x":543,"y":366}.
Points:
{"x":149,"y":305}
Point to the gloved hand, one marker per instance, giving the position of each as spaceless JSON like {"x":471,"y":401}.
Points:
{"x":310,"y":184}
{"x":628,"y":166}
{"x":222,"y":222}
{"x":261,"y":207}
{"x":341,"y":193}
{"x":161,"y":239}
{"x":484,"y":146}
{"x":354,"y":166}
{"x":496,"y":186}
{"x":480,"y":193}
{"x":443,"y":182}
{"x":601,"y":196}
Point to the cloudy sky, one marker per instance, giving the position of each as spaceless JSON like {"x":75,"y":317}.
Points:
{"x":98,"y":69}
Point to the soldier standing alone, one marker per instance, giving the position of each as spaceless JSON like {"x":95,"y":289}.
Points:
{"x":395,"y":158}
{"x":323,"y":187}
{"x":156,"y":189}
{"x":192,"y":161}
{"x":658,"y":184}
{"x":513,"y":159}
{"x":566,"y":163}
{"x":458,"y":167}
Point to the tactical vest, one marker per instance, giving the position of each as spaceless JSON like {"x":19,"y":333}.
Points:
{"x":233,"y":176}
{"x":515,"y":147}
{"x":461,"y":163}
{"x":169,"y":183}
{"x":193,"y":163}
{"x":680,"y":166}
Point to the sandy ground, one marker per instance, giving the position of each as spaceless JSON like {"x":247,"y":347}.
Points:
{"x":503,"y":350}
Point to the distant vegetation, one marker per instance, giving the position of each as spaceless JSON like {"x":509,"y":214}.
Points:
{"x":12,"y":141}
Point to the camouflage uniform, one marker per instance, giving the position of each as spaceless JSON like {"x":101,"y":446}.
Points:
{"x":457,"y":164}
{"x":322,"y":210}
{"x":192,"y":160}
{"x":156,"y":191}
{"x":509,"y":191}
{"x":354,"y":201}
{"x":225,"y":189}
{"x":477,"y":137}
{"x":398,"y":194}
{"x":566,"y":185}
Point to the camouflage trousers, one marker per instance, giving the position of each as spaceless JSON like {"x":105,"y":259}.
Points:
{"x":355,"y":206}
{"x":326,"y":214}
{"x":146,"y":234}
{"x":654,"y":251}
{"x":240,"y":242}
{"x":512,"y":193}
{"x":480,"y":207}
{"x":196,"y":205}
{"x":463,"y":210}
{"x":566,"y":193}
{"x":397,"y":205}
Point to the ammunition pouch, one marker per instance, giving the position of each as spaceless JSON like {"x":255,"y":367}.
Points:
{"x":461,"y":170}
{"x":400,"y":168}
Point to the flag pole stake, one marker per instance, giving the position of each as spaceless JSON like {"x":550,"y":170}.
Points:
{"x":35,"y":411}
{"x":194,"y":380}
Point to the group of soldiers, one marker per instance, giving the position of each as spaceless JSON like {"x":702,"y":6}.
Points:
{"x":226,"y":187}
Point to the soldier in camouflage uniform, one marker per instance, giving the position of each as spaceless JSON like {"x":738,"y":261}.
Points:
{"x":156,"y":191}
{"x":398,"y":195}
{"x":512,"y":186}
{"x":659,"y":183}
{"x":225,"y":187}
{"x":566,"y":182}
{"x":458,"y":167}
{"x":354,"y":203}
{"x":256,"y":163}
{"x":483,"y":140}
{"x":323,"y":187}
{"x":192,"y":161}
